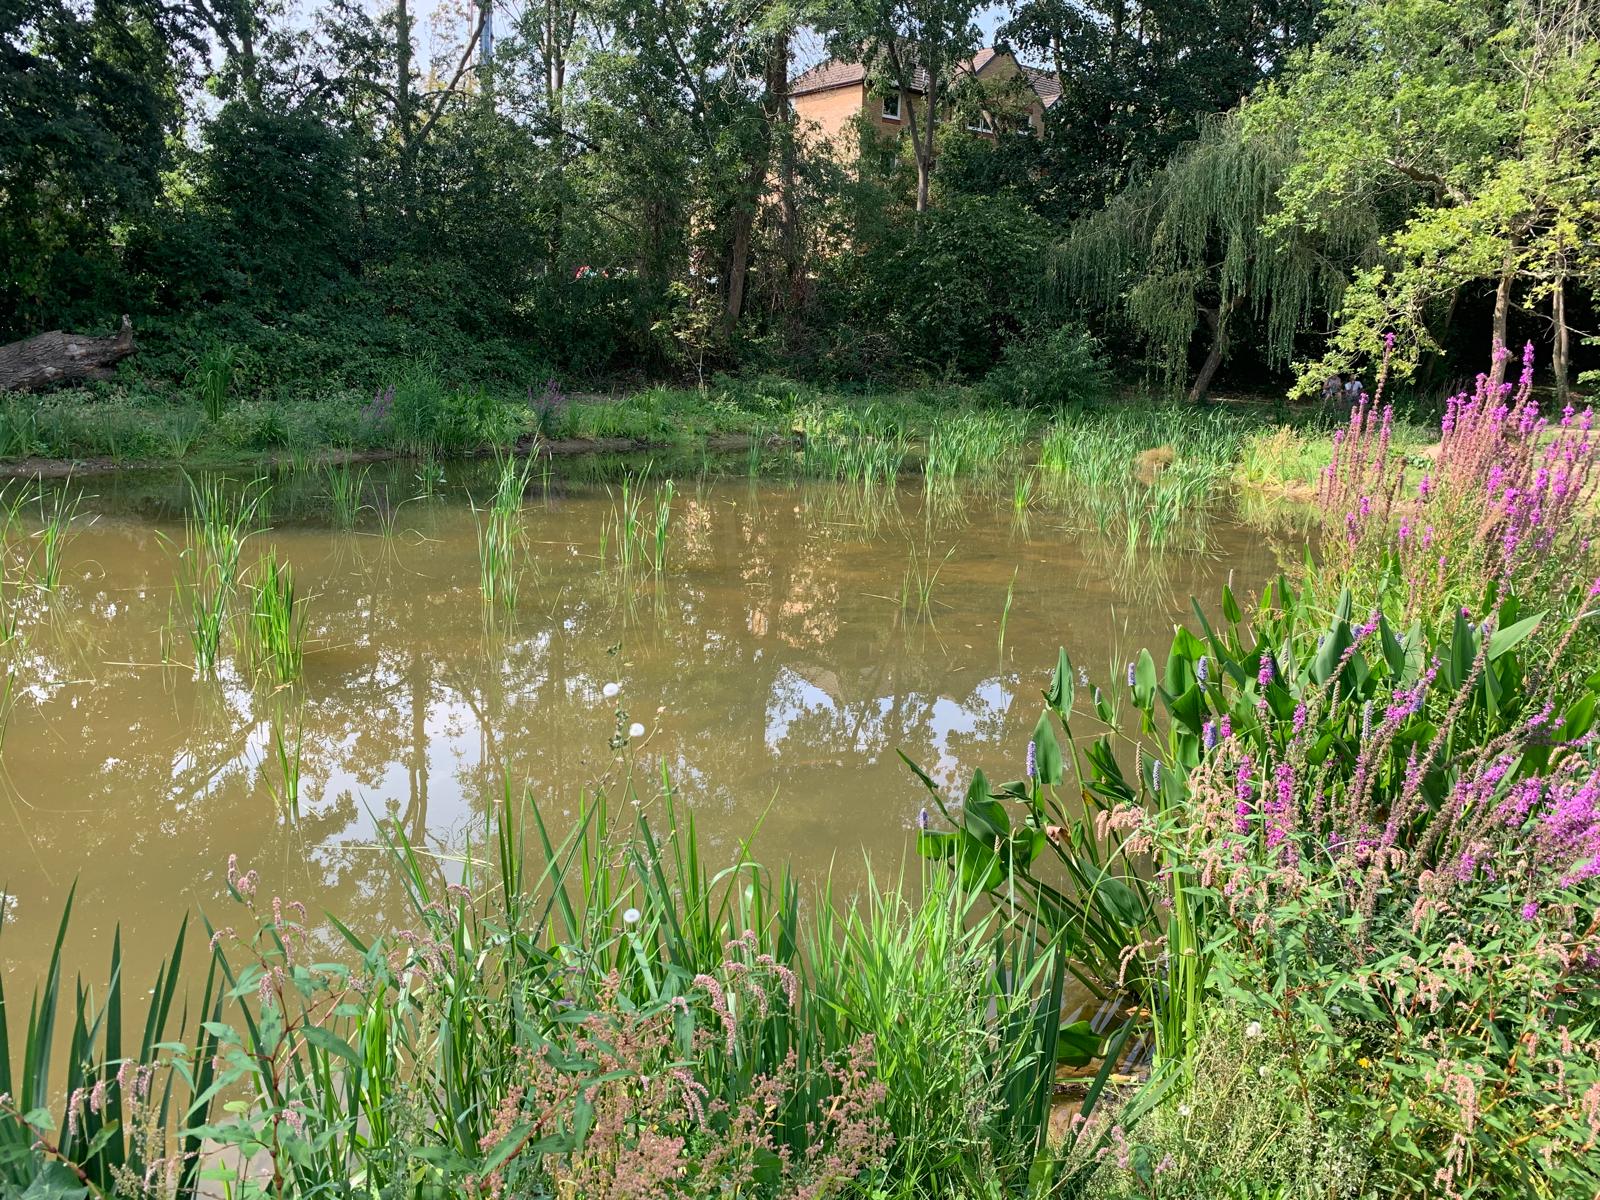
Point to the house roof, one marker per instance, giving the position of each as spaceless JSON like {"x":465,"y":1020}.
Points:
{"x":835,"y":73}
{"x":1046,"y":84}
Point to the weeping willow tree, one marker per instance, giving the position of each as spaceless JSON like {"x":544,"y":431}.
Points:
{"x":1184,"y":252}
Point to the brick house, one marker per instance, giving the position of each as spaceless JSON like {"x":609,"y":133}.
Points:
{"x":832,"y":94}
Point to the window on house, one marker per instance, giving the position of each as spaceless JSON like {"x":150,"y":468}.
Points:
{"x":891,"y":107}
{"x":981,"y":124}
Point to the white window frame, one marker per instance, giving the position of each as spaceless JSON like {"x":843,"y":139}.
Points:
{"x":894,"y":99}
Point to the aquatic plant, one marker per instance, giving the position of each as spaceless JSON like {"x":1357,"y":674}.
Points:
{"x":345,"y":487}
{"x":689,"y":1010}
{"x":276,"y":620}
{"x":128,"y":1109}
{"x":639,"y":537}
{"x":499,"y":535}
{"x":1005,"y":614}
{"x":920,"y":579}
{"x":216,"y":527}
{"x":58,"y":508}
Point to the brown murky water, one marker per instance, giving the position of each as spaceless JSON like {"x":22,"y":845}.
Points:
{"x":773,"y":666}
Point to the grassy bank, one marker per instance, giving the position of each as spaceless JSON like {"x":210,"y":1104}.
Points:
{"x":944,"y":429}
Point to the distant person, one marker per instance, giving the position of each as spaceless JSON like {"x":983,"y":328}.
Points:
{"x":1353,"y":389}
{"x":1332,"y":387}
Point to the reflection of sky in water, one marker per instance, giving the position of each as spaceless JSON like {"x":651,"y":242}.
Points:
{"x":775,"y":674}
{"x":793,"y":695}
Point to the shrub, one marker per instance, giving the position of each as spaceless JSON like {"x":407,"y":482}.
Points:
{"x":1064,"y":366}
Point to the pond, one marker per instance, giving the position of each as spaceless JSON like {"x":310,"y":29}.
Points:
{"x":799,"y":635}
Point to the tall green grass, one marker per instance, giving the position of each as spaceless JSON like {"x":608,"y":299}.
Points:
{"x":345,"y":487}
{"x":212,"y":377}
{"x":58,"y":509}
{"x":276,"y":620}
{"x":638,"y":530}
{"x":589,"y":963}
{"x":499,"y":535}
{"x":219,"y":521}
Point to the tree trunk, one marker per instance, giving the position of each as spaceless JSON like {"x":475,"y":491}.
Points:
{"x":1558,"y":358}
{"x":926,"y":151}
{"x":1219,"y":348}
{"x":55,"y":358}
{"x":774,"y":111}
{"x":1202,"y":381}
{"x":744,"y":218}
{"x":1502,"y":312}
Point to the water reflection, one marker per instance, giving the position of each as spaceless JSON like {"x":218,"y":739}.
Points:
{"x":777,"y":667}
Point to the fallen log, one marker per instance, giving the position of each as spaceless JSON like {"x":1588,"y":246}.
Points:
{"x":54,"y":358}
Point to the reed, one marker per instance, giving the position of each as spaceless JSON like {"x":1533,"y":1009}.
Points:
{"x":1005,"y":613}
{"x":918,"y":584}
{"x":638,"y":532}
{"x":345,"y":488}
{"x":216,"y":527}
{"x":907,"y":1042}
{"x":499,"y":535}
{"x":276,"y":620}
{"x":58,"y":508}
{"x":212,"y":377}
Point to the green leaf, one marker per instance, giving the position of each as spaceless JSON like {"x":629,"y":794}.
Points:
{"x":1061,"y":692}
{"x":984,"y":816}
{"x":332,"y":1043}
{"x":1078,"y":1045}
{"x":1502,"y":640}
{"x":55,"y":1182}
{"x":1046,"y":752}
{"x":1230,"y":607}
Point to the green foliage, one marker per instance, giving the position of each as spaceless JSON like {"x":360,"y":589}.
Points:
{"x":1061,"y":367}
{"x":1185,"y":250}
{"x":945,"y":294}
{"x":574,"y":1012}
{"x":1238,"y":1127}
{"x":1463,"y":136}
{"x":212,"y":377}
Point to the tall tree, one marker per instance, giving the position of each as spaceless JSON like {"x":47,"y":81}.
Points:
{"x":90,"y":106}
{"x":913,"y":49}
{"x":1140,"y":77}
{"x":1185,"y":252}
{"x":1476,"y":125}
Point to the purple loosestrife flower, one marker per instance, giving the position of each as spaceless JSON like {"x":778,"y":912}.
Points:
{"x":1530,"y":910}
{"x":1225,"y":728}
{"x":1279,"y":807}
{"x":1264,"y":675}
{"x":1242,"y":808}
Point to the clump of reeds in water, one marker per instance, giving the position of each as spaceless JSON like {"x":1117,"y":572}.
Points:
{"x":58,"y":507}
{"x":276,"y":620}
{"x":1143,"y":479}
{"x":639,"y":531}
{"x":345,"y":485}
{"x":214,"y":532}
{"x":973,"y":443}
{"x":499,"y":535}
